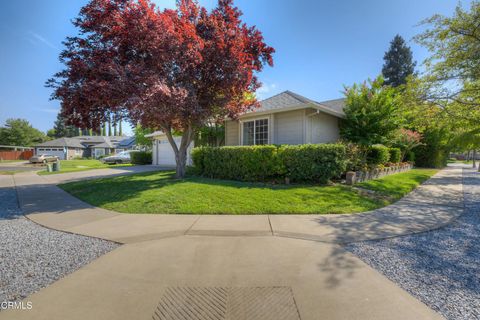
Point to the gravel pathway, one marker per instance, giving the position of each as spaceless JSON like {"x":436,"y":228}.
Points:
{"x":32,"y":257}
{"x":440,"y":267}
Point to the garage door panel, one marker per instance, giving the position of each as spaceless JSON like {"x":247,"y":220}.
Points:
{"x":165,"y":156}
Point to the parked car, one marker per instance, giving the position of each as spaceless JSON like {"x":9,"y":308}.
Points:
{"x":121,"y":157}
{"x":43,"y":158}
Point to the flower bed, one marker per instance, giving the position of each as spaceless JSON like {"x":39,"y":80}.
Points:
{"x":353,"y":177}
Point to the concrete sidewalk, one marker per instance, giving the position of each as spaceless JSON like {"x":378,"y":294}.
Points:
{"x":432,"y":205}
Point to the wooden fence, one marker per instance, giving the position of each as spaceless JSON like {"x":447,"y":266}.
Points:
{"x":16,"y":155}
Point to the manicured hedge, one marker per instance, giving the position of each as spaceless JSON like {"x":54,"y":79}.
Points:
{"x":141,"y":157}
{"x":313,"y":162}
{"x":304,"y":163}
{"x":395,"y":155}
{"x":378,"y":155}
{"x":249,"y":163}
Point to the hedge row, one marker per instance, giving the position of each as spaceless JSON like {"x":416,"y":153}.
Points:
{"x":378,"y":155}
{"x":141,"y":157}
{"x":304,"y":163}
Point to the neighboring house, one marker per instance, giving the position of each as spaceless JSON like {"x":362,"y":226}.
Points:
{"x":286,"y":118}
{"x":85,"y":146}
{"x":63,"y":148}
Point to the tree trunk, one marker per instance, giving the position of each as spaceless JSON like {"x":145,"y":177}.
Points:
{"x":180,"y":151}
{"x":474,"y":155}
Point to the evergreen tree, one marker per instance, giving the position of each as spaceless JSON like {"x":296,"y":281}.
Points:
{"x":398,"y":64}
{"x":62,"y":130}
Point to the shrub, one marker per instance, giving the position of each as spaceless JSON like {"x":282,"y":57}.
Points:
{"x":354,"y":157}
{"x":395,"y":155}
{"x":378,"y":155}
{"x":410,"y":157}
{"x":141,"y":157}
{"x":247,"y":163}
{"x":305,"y":163}
{"x":427,"y":156}
{"x":313,"y":162}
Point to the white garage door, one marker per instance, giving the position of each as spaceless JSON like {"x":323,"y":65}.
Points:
{"x":59,"y":152}
{"x":164,"y":155}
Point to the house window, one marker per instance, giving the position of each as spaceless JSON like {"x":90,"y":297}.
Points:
{"x":255,"y":132}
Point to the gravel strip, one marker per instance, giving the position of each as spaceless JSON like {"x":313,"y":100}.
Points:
{"x":440,"y":267}
{"x":32,"y":257}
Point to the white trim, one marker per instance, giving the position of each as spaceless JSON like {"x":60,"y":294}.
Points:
{"x":241,"y":122}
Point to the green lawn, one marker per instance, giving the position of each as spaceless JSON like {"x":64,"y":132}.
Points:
{"x":396,"y":186}
{"x":80,"y":165}
{"x":159,"y":192}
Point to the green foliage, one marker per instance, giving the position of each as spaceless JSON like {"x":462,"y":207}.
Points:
{"x":313,"y":162}
{"x":378,"y":155}
{"x":453,"y":69}
{"x":398,"y":64}
{"x":19,"y":132}
{"x":60,"y":129}
{"x":371,"y":113}
{"x":140,"y":138}
{"x":395,"y":155}
{"x":246,"y":163}
{"x":410,"y":156}
{"x":434,"y":152}
{"x":210,"y":136}
{"x":141,"y":157}
{"x":355,"y":157}
{"x":304,"y":163}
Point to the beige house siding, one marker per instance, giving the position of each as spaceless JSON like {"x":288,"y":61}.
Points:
{"x":289,"y":127}
{"x":232,"y":133}
{"x":323,"y":128}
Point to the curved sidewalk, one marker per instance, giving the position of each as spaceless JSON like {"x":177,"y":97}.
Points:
{"x":432,"y":205}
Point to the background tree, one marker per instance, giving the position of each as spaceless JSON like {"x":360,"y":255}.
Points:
{"x":453,"y":69}
{"x":371,"y":113}
{"x":140,"y":139}
{"x":19,"y":132}
{"x":398,"y":64}
{"x":61,"y":129}
{"x":173,"y":70}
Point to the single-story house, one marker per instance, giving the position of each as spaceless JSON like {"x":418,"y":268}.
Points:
{"x":286,"y":118}
{"x":85,"y":146}
{"x":63,"y":148}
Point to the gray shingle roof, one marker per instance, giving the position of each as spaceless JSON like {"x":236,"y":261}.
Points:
{"x":288,"y":99}
{"x":62,"y":142}
{"x":282,"y":100}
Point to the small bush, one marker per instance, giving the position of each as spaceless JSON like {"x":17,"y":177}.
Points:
{"x":395,"y":155}
{"x":305,"y":163}
{"x":378,"y":155}
{"x":141,"y":157}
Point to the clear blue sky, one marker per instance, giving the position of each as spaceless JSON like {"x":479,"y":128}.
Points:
{"x":321,"y":45}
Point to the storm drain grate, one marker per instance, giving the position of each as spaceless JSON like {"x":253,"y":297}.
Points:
{"x":216,"y":303}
